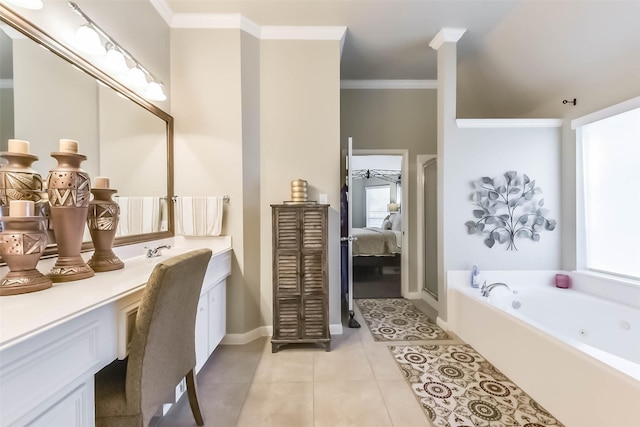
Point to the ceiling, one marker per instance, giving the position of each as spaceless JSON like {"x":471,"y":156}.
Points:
{"x":516,"y":55}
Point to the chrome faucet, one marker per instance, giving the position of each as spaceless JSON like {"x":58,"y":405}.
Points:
{"x":486,"y":289}
{"x":156,"y":252}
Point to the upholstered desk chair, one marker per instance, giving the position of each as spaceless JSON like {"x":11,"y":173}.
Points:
{"x":129,"y":392}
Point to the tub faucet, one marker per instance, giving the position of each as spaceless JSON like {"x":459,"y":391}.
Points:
{"x":156,"y":252}
{"x":486,"y":289}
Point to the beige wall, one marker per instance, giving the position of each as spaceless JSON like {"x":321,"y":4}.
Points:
{"x":207,"y":107}
{"x":300,"y":138}
{"x":251,"y":171}
{"x":251,"y":116}
{"x":393,"y":119}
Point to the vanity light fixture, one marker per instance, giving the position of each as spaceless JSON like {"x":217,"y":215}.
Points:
{"x":26,"y":4}
{"x":115,"y":59}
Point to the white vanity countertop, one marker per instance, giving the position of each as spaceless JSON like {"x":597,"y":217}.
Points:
{"x":22,"y":316}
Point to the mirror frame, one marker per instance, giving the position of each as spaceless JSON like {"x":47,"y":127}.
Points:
{"x":38,"y":35}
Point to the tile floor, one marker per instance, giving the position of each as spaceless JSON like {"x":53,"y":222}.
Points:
{"x":357,"y":384}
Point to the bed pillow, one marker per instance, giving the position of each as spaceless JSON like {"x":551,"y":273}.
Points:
{"x":396,"y":222}
{"x":386,"y":223}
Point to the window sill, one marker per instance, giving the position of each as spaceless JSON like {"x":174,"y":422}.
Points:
{"x":618,"y":280}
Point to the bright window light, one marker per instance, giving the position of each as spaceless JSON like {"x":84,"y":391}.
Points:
{"x":611,"y":185}
{"x":376,"y":199}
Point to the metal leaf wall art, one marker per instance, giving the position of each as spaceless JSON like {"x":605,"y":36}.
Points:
{"x":507,"y":207}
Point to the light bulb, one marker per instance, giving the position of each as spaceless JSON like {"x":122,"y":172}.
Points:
{"x":154,"y":92}
{"x":135,"y":79}
{"x":88,"y":41}
{"x":115,"y":63}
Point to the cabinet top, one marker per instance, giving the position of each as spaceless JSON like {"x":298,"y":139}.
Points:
{"x":299,"y":205}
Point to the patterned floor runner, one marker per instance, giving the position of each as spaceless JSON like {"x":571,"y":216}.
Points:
{"x":457,"y":387}
{"x":397,"y":319}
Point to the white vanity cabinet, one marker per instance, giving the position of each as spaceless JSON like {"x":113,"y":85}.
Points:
{"x":211,"y":321}
{"x":53,"y":342}
{"x":211,"y":317}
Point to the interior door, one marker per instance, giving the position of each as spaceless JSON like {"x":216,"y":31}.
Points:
{"x":353,"y":323}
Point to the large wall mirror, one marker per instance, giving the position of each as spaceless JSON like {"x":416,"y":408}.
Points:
{"x":52,"y":93}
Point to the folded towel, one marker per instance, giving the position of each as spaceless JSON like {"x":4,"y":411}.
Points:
{"x":199,"y":216}
{"x":140,"y":215}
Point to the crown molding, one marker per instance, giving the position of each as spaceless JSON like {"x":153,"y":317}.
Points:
{"x":163,"y":10}
{"x":508,"y":123}
{"x":238,"y":21}
{"x":388,"y":84}
{"x":446,"y":35}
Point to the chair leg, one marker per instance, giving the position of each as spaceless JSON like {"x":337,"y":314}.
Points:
{"x":192,"y":393}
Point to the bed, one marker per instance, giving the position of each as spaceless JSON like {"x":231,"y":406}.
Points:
{"x":379,"y":242}
{"x":376,"y":242}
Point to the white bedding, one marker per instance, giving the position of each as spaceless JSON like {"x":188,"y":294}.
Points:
{"x":372,"y":241}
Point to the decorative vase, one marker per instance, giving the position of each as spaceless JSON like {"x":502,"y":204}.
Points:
{"x":102,"y":221}
{"x":69,"y":190}
{"x":18,"y":180}
{"x":22,"y":242}
{"x":299,"y":190}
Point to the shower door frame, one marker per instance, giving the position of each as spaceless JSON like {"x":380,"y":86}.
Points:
{"x":421,"y":161}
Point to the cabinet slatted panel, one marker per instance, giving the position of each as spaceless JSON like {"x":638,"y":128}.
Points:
{"x":314,"y":318}
{"x":287,"y":276}
{"x":312,"y":272}
{"x":288,"y":321}
{"x":313,"y":229}
{"x":288,"y":232}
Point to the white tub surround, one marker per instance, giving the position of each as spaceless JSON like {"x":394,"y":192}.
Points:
{"x":576,"y":354}
{"x":52,"y":342}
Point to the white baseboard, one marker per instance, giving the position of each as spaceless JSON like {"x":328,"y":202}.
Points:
{"x":444,"y":325}
{"x":336,"y":329}
{"x":247,"y":337}
{"x":413,"y":295}
{"x":266,"y":331}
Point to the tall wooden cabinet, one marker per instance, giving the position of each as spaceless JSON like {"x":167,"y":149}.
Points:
{"x":300,"y":275}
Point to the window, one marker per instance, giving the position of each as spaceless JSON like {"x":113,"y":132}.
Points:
{"x":376,"y":200}
{"x":611,"y":190}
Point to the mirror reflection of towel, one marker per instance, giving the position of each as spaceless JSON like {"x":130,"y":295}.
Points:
{"x":140,"y":215}
{"x":199,"y":216}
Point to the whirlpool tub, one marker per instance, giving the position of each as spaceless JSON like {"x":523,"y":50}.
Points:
{"x":576,"y":353}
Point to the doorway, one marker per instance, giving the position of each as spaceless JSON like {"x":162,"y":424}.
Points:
{"x":379,"y":223}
